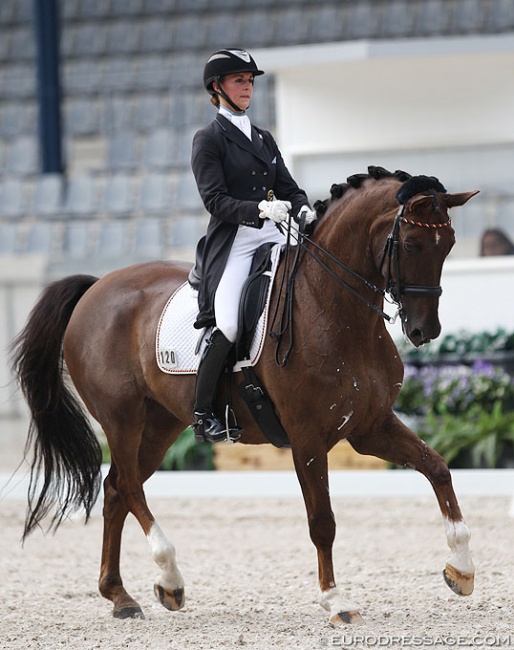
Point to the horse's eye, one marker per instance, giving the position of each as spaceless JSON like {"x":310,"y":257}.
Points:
{"x":410,"y":247}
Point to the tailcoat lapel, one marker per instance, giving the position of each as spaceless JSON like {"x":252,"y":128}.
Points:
{"x":232,"y":132}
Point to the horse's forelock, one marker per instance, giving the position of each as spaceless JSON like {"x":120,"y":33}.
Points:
{"x":418,"y":185}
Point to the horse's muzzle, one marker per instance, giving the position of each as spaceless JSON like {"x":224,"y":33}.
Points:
{"x":419,"y":335}
{"x":420,"y":322}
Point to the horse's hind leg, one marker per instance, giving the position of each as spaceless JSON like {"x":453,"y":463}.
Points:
{"x":396,"y":443}
{"x":168,"y":588}
{"x":132,"y":465}
{"x":110,"y":582}
{"x":312,"y":470}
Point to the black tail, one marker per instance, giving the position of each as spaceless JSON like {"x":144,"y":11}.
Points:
{"x":67,"y":456}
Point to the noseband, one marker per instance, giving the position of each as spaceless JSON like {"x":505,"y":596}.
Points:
{"x":391,"y":254}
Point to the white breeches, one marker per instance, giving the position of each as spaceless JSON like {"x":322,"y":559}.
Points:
{"x":237,"y":269}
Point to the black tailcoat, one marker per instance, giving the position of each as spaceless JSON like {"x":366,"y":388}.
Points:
{"x":233,"y":175}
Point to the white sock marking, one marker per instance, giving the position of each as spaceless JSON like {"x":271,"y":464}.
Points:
{"x":331,"y":601}
{"x":163,"y":554}
{"x":458,"y":536}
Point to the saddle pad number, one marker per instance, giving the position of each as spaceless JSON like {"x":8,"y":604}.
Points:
{"x":168,"y":358}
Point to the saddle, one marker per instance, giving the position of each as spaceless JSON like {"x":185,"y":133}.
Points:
{"x":253,"y":295}
{"x":251,"y":306}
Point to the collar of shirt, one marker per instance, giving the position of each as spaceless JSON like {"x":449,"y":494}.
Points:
{"x":241,"y":121}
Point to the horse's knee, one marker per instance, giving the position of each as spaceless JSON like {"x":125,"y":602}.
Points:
{"x":322,"y":529}
{"x":435,"y":467}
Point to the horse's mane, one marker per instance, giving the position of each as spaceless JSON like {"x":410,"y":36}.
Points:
{"x":411,"y":185}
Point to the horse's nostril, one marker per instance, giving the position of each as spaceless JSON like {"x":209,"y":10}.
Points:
{"x":416,"y":337}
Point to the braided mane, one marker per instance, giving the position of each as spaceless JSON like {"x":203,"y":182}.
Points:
{"x":411,"y":185}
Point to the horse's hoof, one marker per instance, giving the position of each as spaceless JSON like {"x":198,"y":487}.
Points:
{"x":458,"y":581}
{"x":353,"y":617}
{"x":131,"y":611}
{"x":172,"y":600}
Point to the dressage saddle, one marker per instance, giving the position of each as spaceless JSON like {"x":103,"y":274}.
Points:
{"x":251,"y":306}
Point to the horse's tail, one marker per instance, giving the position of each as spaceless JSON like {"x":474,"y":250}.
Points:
{"x":65,"y":469}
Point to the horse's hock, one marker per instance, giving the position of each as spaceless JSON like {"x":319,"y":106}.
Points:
{"x":266,"y":457}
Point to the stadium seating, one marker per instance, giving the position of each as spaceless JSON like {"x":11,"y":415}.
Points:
{"x":131,"y":86}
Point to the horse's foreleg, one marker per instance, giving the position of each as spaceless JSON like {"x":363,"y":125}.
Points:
{"x":396,"y":443}
{"x":312,"y":472}
{"x":169,"y":585}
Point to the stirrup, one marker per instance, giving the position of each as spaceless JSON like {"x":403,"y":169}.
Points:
{"x":208,"y":428}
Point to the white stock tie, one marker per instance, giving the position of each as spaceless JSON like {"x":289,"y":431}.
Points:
{"x":242,"y":122}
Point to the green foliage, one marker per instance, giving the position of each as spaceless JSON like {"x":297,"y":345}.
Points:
{"x":461,"y":344}
{"x":187,"y":454}
{"x":106,"y":452}
{"x":480,"y":438}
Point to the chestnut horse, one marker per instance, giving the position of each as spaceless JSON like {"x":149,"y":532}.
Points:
{"x":344,"y":371}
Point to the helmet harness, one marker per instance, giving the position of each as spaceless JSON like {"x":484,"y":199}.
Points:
{"x":224,"y":62}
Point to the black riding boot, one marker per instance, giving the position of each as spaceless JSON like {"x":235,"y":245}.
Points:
{"x":207,"y":426}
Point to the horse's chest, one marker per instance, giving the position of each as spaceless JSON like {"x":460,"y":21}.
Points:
{"x":362,"y":390}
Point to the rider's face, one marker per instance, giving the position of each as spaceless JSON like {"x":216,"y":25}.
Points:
{"x":238,"y":87}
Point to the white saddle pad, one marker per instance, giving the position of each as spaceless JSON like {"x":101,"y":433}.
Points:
{"x":179,"y":345}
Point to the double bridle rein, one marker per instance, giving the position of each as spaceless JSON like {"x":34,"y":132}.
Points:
{"x":394,"y":287}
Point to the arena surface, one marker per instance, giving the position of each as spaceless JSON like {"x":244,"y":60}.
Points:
{"x":250,"y":572}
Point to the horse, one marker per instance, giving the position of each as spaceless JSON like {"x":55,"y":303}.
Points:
{"x":381,"y":236}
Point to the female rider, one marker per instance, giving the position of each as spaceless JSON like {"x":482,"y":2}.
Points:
{"x":238,"y":168}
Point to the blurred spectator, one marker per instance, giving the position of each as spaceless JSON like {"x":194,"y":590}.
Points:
{"x":495,"y":242}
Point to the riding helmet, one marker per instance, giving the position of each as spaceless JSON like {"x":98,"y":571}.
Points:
{"x":229,"y":61}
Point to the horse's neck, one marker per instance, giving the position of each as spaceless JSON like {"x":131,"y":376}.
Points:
{"x":356,"y":243}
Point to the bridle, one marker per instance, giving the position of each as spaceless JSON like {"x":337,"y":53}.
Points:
{"x":392,"y":293}
{"x":394,"y":286}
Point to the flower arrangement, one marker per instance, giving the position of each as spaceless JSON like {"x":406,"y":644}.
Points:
{"x":465,"y":412}
{"x":454,"y":388}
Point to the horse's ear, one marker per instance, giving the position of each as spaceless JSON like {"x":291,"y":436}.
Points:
{"x":419,"y":202}
{"x":453,"y":200}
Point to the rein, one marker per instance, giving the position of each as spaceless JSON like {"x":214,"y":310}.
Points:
{"x":394,"y":287}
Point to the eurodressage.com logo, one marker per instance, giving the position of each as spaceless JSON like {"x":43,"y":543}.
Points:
{"x":421,"y":641}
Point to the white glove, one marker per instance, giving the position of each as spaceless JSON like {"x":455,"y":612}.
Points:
{"x":310,"y":215}
{"x":275,"y":210}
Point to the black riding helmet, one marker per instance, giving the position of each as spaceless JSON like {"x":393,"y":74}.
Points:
{"x":229,"y":61}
